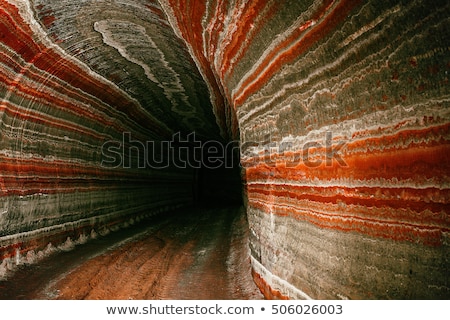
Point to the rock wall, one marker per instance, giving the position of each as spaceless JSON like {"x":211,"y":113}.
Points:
{"x":88,"y":89}
{"x":341,"y":109}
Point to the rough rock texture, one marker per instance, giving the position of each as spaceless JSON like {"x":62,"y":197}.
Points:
{"x":74,"y":76}
{"x":341,"y":108}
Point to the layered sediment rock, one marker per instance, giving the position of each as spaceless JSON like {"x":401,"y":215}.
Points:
{"x":343,"y":113}
{"x":83,"y":89}
{"x":341,"y":108}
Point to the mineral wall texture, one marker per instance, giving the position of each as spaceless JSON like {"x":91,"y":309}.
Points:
{"x":341,"y":109}
{"x":88,"y":90}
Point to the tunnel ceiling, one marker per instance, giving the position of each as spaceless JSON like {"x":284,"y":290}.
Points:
{"x":212,"y":67}
{"x":132,"y":44}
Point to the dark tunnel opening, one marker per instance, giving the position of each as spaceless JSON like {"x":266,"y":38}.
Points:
{"x":213,"y":165}
{"x":218,"y":180}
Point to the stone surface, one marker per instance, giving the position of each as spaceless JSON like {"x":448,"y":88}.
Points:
{"x":64,"y":97}
{"x":341,"y":109}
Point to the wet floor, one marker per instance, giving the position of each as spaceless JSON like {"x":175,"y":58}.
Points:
{"x":199,"y":253}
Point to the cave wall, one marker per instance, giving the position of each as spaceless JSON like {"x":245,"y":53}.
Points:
{"x":341,"y":109}
{"x":88,"y":89}
{"x":343,"y":112}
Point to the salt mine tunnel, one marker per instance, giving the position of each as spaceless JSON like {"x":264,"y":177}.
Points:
{"x":327,"y":121}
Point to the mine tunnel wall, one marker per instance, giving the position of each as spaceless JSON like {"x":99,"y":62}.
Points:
{"x":343,"y":114}
{"x":341,"y":109}
{"x":57,"y":183}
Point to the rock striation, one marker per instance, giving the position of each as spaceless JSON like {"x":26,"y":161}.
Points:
{"x":341,"y":108}
{"x":72,"y":80}
{"x":343,"y":114}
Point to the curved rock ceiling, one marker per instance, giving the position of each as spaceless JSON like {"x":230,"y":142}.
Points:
{"x":131,"y":44}
{"x":341,"y":109}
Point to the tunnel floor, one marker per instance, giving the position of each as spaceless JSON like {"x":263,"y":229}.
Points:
{"x":198,"y":253}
